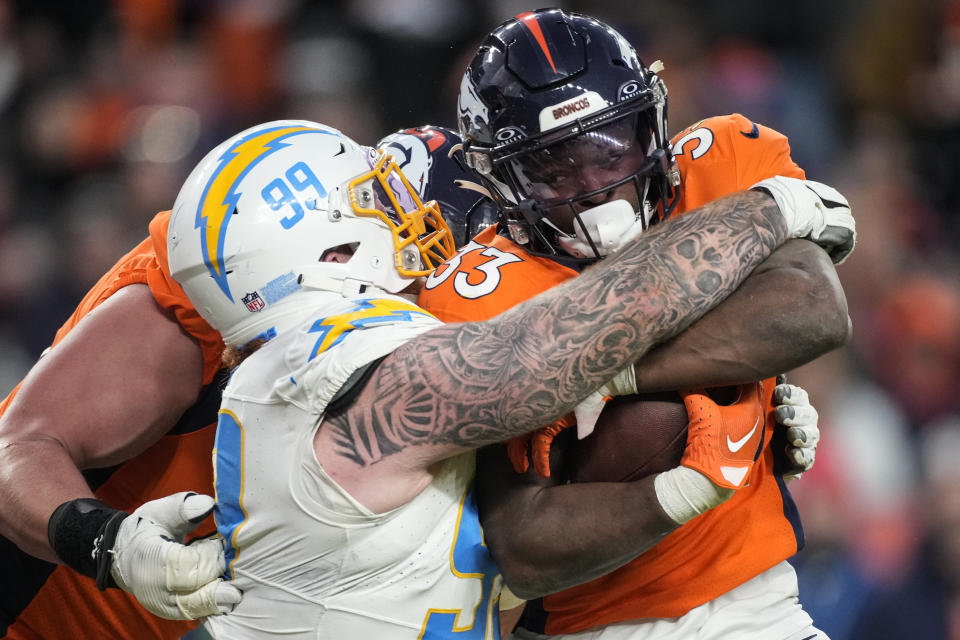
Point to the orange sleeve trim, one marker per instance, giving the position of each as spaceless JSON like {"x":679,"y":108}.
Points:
{"x":170,"y":295}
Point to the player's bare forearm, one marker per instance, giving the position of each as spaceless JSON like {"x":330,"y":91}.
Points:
{"x":789,"y":311}
{"x":35,"y":477}
{"x":467,"y":385}
{"x":98,"y":398}
{"x":547,"y":537}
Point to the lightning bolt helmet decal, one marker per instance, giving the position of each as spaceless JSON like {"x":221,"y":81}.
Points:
{"x":219,"y":197}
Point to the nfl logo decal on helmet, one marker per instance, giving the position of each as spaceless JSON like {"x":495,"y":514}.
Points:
{"x":253,"y":301}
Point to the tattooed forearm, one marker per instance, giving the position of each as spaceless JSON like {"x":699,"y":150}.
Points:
{"x":472,"y":384}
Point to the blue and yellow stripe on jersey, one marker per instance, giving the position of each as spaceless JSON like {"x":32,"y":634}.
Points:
{"x":366,"y":313}
{"x":228,"y":484}
{"x":470,"y":560}
{"x":220,"y":195}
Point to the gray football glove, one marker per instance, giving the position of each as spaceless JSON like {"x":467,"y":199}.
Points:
{"x":800,"y":418}
{"x":816,"y":212}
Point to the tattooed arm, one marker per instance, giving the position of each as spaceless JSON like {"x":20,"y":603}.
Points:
{"x":791,"y":310}
{"x":462,"y":386}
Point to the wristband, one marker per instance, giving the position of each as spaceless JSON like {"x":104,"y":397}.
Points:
{"x":82,"y":532}
{"x":624,"y":383}
{"x":685,"y":493}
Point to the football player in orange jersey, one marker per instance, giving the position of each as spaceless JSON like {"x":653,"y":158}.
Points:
{"x":568,"y":128}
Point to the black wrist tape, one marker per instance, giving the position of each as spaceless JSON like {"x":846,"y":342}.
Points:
{"x":81,"y":533}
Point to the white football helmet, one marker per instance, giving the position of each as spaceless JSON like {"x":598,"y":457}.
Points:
{"x":256,"y":217}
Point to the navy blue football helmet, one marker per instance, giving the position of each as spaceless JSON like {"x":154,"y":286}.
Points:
{"x":558,"y":114}
{"x":431,"y":158}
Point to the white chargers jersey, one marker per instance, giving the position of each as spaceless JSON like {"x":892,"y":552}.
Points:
{"x":311,"y":561}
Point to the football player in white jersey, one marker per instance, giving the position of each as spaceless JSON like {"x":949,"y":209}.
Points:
{"x":344,"y":454}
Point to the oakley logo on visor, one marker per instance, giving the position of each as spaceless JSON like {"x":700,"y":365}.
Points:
{"x":628,"y":90}
{"x":508,"y":134}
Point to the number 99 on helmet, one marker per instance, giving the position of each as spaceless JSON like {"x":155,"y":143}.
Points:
{"x":254,"y":222}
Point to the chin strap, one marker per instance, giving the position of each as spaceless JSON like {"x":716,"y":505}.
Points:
{"x":347,"y":287}
{"x":602,"y":230}
{"x":473,"y":186}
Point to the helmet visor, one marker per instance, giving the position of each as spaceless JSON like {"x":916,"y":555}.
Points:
{"x":584,"y":164}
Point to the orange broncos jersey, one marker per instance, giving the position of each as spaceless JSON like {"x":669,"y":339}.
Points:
{"x":42,"y":600}
{"x":721,"y":549}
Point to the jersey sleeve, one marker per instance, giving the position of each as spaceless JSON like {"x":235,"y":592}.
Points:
{"x":328,"y":349}
{"x":724,"y":154}
{"x":170,"y":295}
{"x":146,"y":264}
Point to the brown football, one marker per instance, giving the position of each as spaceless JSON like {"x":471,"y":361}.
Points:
{"x":635,"y":436}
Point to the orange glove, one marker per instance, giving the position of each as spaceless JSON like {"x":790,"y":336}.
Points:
{"x":540,"y":442}
{"x":517,"y":451}
{"x":724,"y":441}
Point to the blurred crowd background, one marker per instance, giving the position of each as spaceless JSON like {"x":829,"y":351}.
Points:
{"x":105,"y":106}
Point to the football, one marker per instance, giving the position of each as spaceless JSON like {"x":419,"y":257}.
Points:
{"x":635,"y":436}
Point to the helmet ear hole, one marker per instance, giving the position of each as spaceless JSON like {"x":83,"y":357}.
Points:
{"x":341,"y":253}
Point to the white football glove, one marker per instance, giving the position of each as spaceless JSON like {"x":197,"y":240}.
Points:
{"x":170,"y":579}
{"x":814,"y":211}
{"x":795,"y":412}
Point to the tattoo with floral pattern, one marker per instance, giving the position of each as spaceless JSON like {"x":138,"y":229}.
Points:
{"x":466,"y":385}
